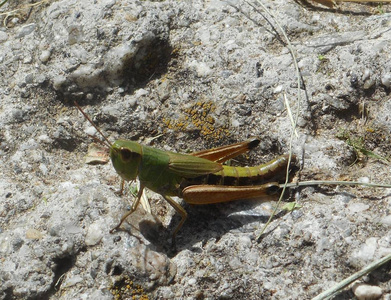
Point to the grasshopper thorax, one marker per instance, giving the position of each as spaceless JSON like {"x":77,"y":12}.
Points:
{"x":126,"y":157}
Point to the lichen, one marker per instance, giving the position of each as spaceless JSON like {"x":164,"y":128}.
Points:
{"x":127,"y":289}
{"x":201,"y":116}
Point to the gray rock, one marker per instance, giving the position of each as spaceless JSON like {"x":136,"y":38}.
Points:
{"x":187,"y":76}
{"x":364,"y":291}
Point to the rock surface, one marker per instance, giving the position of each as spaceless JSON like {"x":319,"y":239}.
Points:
{"x":187,"y":76}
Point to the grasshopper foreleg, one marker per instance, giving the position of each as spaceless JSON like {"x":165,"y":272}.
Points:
{"x":121,"y":188}
{"x":134,"y":207}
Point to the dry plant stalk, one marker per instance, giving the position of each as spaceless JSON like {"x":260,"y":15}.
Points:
{"x":333,"y":3}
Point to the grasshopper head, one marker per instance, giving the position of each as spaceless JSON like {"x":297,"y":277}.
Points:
{"x":126,"y":157}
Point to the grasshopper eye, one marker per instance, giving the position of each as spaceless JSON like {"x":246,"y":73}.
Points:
{"x":126,"y":154}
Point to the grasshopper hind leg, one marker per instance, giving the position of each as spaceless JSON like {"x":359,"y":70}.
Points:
{"x":180,"y":210}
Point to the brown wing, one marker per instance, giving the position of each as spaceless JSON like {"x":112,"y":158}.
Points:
{"x":222,"y":154}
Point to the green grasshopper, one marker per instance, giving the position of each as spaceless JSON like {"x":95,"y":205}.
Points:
{"x":198,"y":178}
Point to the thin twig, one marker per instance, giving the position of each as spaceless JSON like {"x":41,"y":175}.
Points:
{"x":327,"y":182}
{"x":22,"y":7}
{"x":344,"y":283}
{"x":293,"y":128}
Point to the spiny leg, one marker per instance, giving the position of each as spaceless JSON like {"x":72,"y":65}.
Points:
{"x":134,"y":207}
{"x":180,"y":210}
{"x":121,"y":188}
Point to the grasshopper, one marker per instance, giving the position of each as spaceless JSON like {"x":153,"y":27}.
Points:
{"x":199,"y":178}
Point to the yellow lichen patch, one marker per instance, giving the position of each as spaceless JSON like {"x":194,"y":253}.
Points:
{"x":200,"y":116}
{"x":127,"y":289}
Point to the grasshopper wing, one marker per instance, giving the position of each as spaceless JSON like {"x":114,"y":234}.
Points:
{"x":190,"y":166}
{"x":222,"y":154}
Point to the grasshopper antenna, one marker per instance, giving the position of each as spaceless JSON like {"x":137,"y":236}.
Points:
{"x":92,"y":123}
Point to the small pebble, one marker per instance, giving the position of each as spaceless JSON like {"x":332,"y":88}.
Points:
{"x":366,"y":292}
{"x":192,"y":281}
{"x":94,"y":235}
{"x":33,"y":234}
{"x":278,"y":89}
{"x":366,"y":252}
{"x":235,"y":123}
{"x":366,"y":75}
{"x":132,"y":102}
{"x":58,"y":81}
{"x":364,"y":179}
{"x":201,"y":68}
{"x":386,"y":80}
{"x":71,"y":281}
{"x":141,"y":92}
{"x":369,"y":83}
{"x":45,"y":55}
{"x":26,"y":30}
